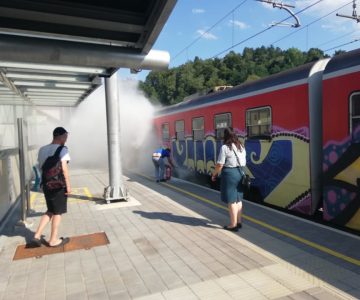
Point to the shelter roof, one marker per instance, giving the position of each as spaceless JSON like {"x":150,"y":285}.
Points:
{"x":55,"y":52}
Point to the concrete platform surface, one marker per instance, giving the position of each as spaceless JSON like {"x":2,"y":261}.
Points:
{"x":159,"y":249}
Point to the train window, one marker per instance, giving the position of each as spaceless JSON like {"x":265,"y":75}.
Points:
{"x":221,"y":122}
{"x":165,"y":131}
{"x":258,"y":122}
{"x":198,"y":129}
{"x":180,"y":130}
{"x":354,"y":112}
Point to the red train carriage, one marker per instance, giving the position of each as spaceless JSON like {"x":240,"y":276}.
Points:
{"x":341,"y":140}
{"x":279,"y":119}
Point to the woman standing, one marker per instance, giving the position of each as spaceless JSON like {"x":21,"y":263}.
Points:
{"x":232,"y":158}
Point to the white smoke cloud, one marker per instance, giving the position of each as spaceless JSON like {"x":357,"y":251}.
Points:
{"x":87,"y":141}
{"x":137,"y":135}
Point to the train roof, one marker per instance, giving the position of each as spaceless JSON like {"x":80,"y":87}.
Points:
{"x":343,"y":61}
{"x":280,"y":80}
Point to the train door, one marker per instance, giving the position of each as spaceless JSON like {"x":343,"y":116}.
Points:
{"x":341,"y":141}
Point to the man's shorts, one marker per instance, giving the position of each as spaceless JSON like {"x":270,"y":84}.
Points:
{"x":56,"y":201}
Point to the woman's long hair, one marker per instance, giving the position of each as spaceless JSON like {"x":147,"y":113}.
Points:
{"x":230,"y":138}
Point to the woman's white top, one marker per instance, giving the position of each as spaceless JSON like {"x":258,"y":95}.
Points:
{"x":228,"y":159}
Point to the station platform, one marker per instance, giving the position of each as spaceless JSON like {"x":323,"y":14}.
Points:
{"x":167,"y":242}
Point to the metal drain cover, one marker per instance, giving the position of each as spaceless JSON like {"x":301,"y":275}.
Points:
{"x":76,"y":243}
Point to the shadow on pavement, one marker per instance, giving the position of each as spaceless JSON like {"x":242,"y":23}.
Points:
{"x":169,"y":217}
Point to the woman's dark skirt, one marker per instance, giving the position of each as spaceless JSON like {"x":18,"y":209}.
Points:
{"x":230,"y":186}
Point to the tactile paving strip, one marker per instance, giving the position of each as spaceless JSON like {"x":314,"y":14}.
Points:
{"x":76,"y":243}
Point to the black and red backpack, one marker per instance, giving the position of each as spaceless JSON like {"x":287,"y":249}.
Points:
{"x":52,"y":177}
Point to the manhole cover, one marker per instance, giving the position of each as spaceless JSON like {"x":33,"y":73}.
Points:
{"x":76,"y":243}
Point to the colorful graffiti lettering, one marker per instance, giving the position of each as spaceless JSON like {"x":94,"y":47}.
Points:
{"x":276,"y":166}
{"x":341,"y":192}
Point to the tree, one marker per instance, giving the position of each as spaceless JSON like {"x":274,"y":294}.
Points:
{"x":252,"y":77}
{"x":294,"y":57}
{"x":187,"y":83}
{"x":337,"y":52}
{"x":314,"y":54}
{"x":172,"y":86}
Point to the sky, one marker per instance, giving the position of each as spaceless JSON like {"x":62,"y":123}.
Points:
{"x":213,"y":28}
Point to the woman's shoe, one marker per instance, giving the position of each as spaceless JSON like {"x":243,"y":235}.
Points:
{"x":234,"y":229}
{"x":239,"y":225}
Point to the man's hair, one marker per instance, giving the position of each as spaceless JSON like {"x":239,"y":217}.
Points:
{"x":59,"y":131}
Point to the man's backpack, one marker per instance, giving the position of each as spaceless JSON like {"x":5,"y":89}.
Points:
{"x":52,"y":172}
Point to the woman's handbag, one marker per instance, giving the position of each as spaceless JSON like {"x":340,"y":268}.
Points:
{"x":245,"y":179}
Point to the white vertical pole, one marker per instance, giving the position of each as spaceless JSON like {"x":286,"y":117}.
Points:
{"x":116,"y":189}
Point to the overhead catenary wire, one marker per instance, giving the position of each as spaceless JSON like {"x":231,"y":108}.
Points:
{"x":286,"y":7}
{"x":205,"y":32}
{"x":313,"y":22}
{"x":264,"y":30}
{"x":354,"y":15}
{"x":354,"y":41}
{"x":335,"y":47}
{"x":335,"y":39}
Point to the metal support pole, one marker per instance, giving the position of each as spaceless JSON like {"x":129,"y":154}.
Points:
{"x":27,"y":192}
{"x":116,"y":189}
{"x":22,"y":169}
{"x":23,"y":193}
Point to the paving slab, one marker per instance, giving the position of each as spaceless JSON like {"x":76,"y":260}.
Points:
{"x":160,"y":248}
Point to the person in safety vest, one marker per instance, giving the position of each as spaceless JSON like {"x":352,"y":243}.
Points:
{"x":158,"y":158}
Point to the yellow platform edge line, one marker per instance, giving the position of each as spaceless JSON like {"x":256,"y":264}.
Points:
{"x":87,"y":192}
{"x":33,"y":196}
{"x":270,"y":227}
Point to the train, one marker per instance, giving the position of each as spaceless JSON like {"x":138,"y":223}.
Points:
{"x":301,"y":131}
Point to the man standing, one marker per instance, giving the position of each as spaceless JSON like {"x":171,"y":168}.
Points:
{"x":56,"y":198}
{"x":158,"y":158}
